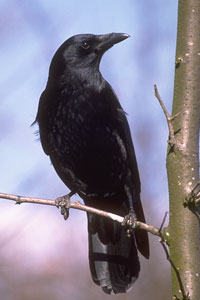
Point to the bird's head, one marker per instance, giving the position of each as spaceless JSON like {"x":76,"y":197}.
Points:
{"x":84,"y":50}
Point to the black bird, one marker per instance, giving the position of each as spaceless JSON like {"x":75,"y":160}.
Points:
{"x":85,"y":132}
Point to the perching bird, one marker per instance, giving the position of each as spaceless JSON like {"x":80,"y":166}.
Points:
{"x":84,"y":131}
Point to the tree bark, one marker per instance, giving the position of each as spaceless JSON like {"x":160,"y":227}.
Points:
{"x":183,"y":157}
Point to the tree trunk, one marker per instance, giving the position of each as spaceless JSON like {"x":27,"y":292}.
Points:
{"x":183,"y":158}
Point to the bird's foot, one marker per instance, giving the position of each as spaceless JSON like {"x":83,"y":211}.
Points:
{"x":64,"y":203}
{"x":130,"y":222}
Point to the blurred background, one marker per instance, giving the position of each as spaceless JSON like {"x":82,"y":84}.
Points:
{"x":41,"y":255}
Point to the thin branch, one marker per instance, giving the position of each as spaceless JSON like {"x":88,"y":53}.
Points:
{"x":78,"y":205}
{"x":169,"y":118}
{"x":195,"y":194}
{"x":163,"y":243}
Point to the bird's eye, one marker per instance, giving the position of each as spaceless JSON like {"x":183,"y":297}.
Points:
{"x":85,"y":45}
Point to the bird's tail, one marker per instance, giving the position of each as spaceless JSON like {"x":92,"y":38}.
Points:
{"x":113,"y":256}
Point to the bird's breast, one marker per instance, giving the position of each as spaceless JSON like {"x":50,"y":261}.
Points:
{"x":86,"y":145}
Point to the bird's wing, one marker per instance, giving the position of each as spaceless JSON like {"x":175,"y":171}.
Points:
{"x":125,"y":134}
{"x":123,"y":130}
{"x":42,"y":119}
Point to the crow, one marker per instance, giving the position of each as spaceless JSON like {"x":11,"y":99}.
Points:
{"x":84,"y":131}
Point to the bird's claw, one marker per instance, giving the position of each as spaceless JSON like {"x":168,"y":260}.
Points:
{"x":130,"y":222}
{"x":64,"y":203}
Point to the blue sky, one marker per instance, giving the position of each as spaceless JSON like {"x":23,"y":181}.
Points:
{"x":30,"y":33}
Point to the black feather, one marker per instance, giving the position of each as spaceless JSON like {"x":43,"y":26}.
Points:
{"x":85,"y":132}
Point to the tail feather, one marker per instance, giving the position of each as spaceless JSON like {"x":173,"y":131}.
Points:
{"x":113,"y":257}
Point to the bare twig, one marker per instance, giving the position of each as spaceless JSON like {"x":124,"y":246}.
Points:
{"x":193,"y":199}
{"x":78,"y":205}
{"x":163,"y":243}
{"x":163,"y":222}
{"x":169,"y":118}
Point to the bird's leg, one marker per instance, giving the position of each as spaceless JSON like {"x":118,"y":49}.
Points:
{"x":64,"y":203}
{"x":130,"y":221}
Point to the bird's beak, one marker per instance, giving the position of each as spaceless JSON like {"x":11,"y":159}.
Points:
{"x":106,"y":41}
